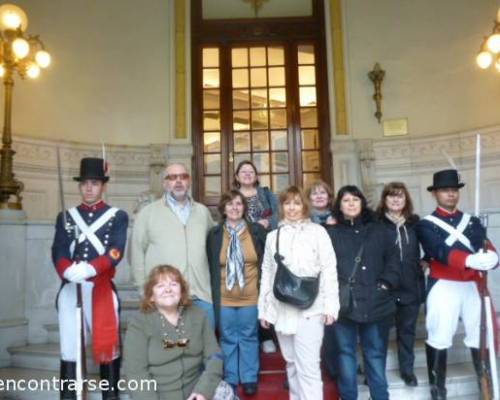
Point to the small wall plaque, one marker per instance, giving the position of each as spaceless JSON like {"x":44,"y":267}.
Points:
{"x":396,"y":127}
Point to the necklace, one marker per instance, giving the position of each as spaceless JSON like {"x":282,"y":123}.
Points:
{"x":182,"y":340}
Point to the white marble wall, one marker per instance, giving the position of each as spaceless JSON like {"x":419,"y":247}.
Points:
{"x":373,"y":162}
{"x":12,"y":281}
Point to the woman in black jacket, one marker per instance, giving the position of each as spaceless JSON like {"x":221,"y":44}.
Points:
{"x":235,"y":249}
{"x":358,"y":235}
{"x":396,"y":212}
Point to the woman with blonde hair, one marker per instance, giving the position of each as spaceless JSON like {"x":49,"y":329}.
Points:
{"x":305,"y":250}
{"x":171,"y":342}
{"x":320,"y":197}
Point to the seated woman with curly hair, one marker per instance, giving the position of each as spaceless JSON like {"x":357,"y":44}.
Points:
{"x":171,"y":342}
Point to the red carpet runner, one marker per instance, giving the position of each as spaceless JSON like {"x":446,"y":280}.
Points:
{"x":272,"y":377}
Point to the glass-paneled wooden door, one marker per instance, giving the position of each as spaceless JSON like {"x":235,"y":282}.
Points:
{"x":259,"y":103}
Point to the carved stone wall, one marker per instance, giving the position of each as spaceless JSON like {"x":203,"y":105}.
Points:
{"x":36,"y":166}
{"x":371,"y":163}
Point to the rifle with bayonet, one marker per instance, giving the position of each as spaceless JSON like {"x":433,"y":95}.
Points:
{"x":81,"y":365}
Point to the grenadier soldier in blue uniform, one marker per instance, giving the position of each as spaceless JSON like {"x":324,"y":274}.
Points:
{"x":89,"y":242}
{"x":454,"y":242}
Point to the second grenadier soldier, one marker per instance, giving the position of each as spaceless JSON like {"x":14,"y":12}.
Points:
{"x":453,"y":241}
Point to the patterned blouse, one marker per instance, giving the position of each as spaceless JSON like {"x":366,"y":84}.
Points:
{"x":255,"y":208}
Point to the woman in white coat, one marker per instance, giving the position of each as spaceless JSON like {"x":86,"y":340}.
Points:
{"x":307,"y":251}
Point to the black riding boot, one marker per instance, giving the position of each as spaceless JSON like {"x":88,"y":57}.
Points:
{"x":68,"y":377}
{"x":476,"y":359}
{"x":436,"y":368}
{"x":111,"y":373}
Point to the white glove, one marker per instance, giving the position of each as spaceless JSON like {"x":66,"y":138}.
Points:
{"x":82,"y":271}
{"x":69,"y":272}
{"x":482,"y":261}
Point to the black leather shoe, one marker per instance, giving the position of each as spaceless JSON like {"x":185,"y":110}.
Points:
{"x":249,"y":388}
{"x":409,"y":379}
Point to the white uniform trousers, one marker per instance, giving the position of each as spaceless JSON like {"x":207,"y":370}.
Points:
{"x":302,"y":355}
{"x":66,"y":305}
{"x":448,"y":301}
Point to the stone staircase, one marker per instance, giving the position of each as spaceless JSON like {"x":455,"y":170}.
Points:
{"x":41,"y":361}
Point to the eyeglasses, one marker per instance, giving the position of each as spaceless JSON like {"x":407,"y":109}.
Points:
{"x":169,"y":344}
{"x":174,"y":177}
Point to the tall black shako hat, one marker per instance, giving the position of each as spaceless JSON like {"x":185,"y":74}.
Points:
{"x":92,"y":168}
{"x":447,"y":178}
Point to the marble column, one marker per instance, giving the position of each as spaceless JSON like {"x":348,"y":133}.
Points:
{"x":13,"y":324}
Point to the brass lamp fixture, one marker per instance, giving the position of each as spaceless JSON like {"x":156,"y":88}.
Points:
{"x":26,"y":55}
{"x":490,"y":47}
{"x":377,"y":75}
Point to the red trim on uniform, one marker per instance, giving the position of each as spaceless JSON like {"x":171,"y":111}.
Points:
{"x":62,"y":265}
{"x":101,"y":264}
{"x":445,"y":213}
{"x":456,"y":259}
{"x":443,"y":271}
{"x":94,"y":207}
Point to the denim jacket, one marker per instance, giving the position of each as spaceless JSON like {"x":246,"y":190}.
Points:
{"x":269,"y":202}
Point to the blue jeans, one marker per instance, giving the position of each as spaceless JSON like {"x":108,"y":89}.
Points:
{"x":239,"y":343}
{"x":208,"y":308}
{"x":373,"y":338}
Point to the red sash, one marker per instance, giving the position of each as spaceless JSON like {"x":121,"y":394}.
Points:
{"x":105,"y":338}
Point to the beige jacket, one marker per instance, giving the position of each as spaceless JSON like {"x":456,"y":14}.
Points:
{"x":307,"y":251}
{"x":159,"y":237}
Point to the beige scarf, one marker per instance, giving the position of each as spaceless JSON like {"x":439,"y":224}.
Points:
{"x":399,"y":222}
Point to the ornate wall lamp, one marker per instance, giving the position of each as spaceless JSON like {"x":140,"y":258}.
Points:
{"x":24,"y":54}
{"x":376,"y":75}
{"x":490,"y":47}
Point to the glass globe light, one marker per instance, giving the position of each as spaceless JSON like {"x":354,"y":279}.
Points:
{"x":42,"y":58}
{"x":2,"y":70}
{"x":484,"y":59}
{"x":493,"y":43}
{"x":12,"y":17}
{"x":20,"y":47}
{"x":33,"y":70}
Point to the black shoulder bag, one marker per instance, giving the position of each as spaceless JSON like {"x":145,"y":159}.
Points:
{"x":346,"y":298}
{"x":298,"y":291}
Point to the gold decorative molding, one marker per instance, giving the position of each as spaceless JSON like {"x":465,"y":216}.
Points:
{"x":180,"y":69}
{"x":338,"y":67}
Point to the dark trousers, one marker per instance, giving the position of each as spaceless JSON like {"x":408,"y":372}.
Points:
{"x":406,"y":322}
{"x":330,"y":352}
{"x":373,"y":338}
